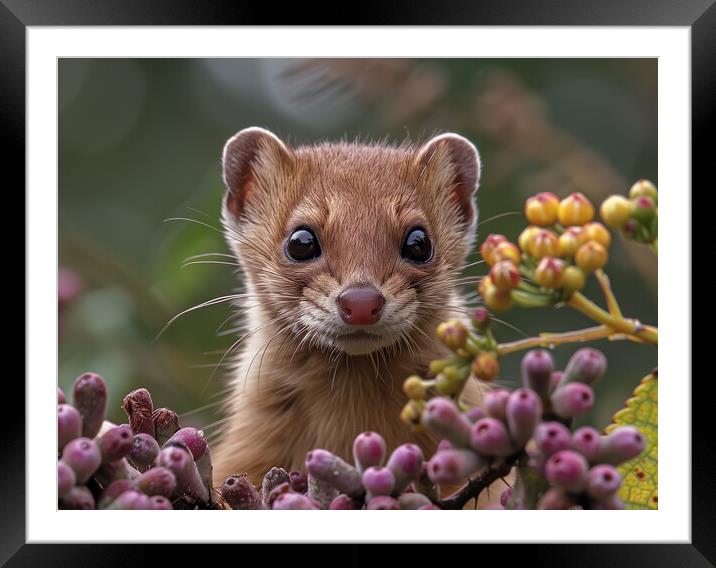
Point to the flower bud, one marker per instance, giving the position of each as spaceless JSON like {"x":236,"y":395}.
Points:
{"x":543,"y":243}
{"x":178,"y":459}
{"x":273,"y":478}
{"x":453,"y":334}
{"x":298,"y":481}
{"x":505,"y":497}
{"x":550,"y":273}
{"x":193,"y":439}
{"x":60,"y":396}
{"x":641,"y":188}
{"x":537,"y":368}
{"x":343,"y":502}
{"x":79,"y":497}
{"x":453,"y":466}
{"x":524,"y":411}
{"x":156,"y":481}
{"x":66,"y":479}
{"x":590,"y":256}
{"x":83,"y":456}
{"x":526,"y":237}
{"x":552,"y":437}
{"x":574,"y":279}
{"x":130,"y":501}
{"x":568,"y":470}
{"x":413,"y":409}
{"x":632,"y":229}
{"x":144,"y":451}
{"x":494,"y":299}
{"x":541,"y":209}
{"x":481,"y":319}
{"x":442,"y":416}
{"x":485,"y":366}
{"x":116,"y":443}
{"x":406,"y":463}
{"x":413,"y":387}
{"x":555,"y":380}
{"x":573,"y":399}
{"x":413,"y":501}
{"x":474,"y":414}
{"x":586,"y":366}
{"x":616,"y":210}
{"x":294,"y":502}
{"x":166,"y":423}
{"x":383,"y":503}
{"x":507,"y":251}
{"x":487,"y":249}
{"x":378,"y":481}
{"x":603,"y":482}
{"x":240,"y":494}
{"x":495,"y":403}
{"x":368,"y":450}
{"x":489,"y":437}
{"x":89,"y":396}
{"x":112,"y":491}
{"x":139,"y":408}
{"x":644,"y":209}
{"x":160,"y":503}
{"x":569,"y":241}
{"x":597,"y":232}
{"x":69,"y":425}
{"x":587,"y":441}
{"x":504,"y":275}
{"x":575,"y":209}
{"x":329,"y":468}
{"x":555,"y":499}
{"x":621,"y":445}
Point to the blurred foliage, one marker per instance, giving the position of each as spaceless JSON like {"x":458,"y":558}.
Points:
{"x":140,"y":142}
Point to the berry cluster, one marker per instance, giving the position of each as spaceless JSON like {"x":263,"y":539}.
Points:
{"x":556,"y":252}
{"x":529,"y":428}
{"x":333,"y":483}
{"x":149,"y":463}
{"x":636,"y":217}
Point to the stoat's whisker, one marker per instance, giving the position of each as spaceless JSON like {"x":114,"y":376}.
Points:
{"x":494,"y":217}
{"x":205,"y":304}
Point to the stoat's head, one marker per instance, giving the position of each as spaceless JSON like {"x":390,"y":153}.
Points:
{"x":349,"y":246}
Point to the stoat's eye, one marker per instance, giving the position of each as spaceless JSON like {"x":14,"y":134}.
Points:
{"x":303,"y":245}
{"x":417,"y":246}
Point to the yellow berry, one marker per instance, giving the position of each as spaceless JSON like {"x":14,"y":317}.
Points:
{"x":414,"y":388}
{"x":574,"y":279}
{"x":643,"y":187}
{"x":525,"y":236}
{"x":452,"y":333}
{"x":544,"y":243}
{"x":568,"y":244}
{"x":507,"y":251}
{"x":541,"y":209}
{"x":486,"y":366}
{"x":575,"y":209}
{"x":550,"y":272}
{"x":598,"y":232}
{"x":487,"y":248}
{"x":494,"y":299}
{"x":616,"y":210}
{"x":504,"y":275}
{"x":590,"y":256}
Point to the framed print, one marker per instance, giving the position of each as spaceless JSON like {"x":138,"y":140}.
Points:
{"x":408,"y":264}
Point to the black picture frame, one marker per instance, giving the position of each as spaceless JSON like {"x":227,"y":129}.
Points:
{"x":699,"y":15}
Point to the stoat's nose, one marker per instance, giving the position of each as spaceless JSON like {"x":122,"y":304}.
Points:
{"x":361,"y":306}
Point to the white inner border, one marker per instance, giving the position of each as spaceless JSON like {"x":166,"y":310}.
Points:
{"x":672,"y":521}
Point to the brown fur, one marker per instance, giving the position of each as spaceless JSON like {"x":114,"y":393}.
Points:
{"x":294,"y":386}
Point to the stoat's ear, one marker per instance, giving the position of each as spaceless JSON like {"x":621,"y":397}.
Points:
{"x":248,"y":154}
{"x":455,"y":166}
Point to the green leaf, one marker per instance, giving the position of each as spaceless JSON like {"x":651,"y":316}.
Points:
{"x":640,"y":475}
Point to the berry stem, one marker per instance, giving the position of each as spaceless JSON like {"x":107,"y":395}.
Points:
{"x":549,"y":339}
{"x":473,"y":488}
{"x":628,"y":327}
{"x":605,"y":284}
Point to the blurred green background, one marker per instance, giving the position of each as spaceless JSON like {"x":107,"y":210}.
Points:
{"x":140,"y":142}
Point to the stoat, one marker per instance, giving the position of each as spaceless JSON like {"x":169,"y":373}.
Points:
{"x":351,"y":255}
